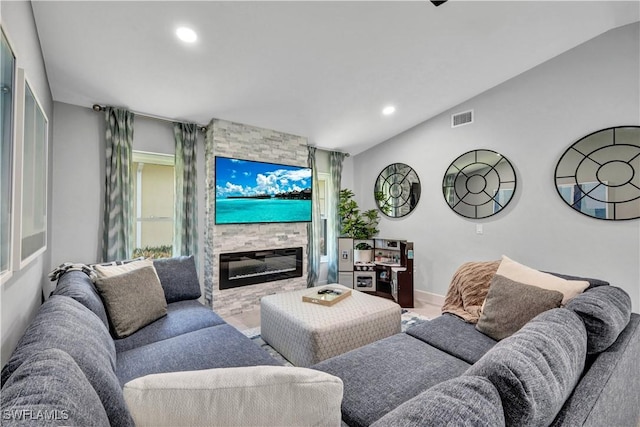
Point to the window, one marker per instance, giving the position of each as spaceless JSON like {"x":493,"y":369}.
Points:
{"x":323,"y":181}
{"x":153,"y":204}
{"x":33,"y":190}
{"x":7,"y":79}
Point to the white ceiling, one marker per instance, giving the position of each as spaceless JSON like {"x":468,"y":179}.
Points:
{"x":323,"y":69}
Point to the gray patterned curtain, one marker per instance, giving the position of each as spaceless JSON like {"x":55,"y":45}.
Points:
{"x":117,"y":237}
{"x":210,"y":197}
{"x":185,"y":231}
{"x":314,"y":228}
{"x":333,"y":219}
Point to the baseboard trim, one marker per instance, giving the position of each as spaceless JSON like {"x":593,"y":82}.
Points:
{"x":428,"y":297}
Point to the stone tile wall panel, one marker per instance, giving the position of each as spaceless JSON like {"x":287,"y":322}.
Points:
{"x":265,"y":145}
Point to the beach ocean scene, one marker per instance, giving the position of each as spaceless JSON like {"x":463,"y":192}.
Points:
{"x":254,"y":192}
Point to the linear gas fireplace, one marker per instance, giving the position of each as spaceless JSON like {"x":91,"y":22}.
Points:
{"x":248,"y":268}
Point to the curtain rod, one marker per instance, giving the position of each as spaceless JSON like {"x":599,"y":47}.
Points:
{"x":330,"y":150}
{"x":98,"y":108}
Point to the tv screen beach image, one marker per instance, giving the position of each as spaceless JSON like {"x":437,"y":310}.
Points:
{"x":257,"y":192}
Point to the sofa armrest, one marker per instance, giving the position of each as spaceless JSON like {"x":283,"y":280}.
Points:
{"x":608,"y":392}
{"x":244,"y":396}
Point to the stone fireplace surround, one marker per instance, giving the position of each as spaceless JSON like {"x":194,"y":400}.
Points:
{"x":241,"y":141}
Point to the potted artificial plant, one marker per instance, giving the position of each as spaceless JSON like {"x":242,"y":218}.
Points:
{"x":357,"y":225}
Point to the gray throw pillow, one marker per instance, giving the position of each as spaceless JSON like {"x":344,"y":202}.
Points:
{"x":605,"y":311}
{"x":510,"y":305}
{"x":133,"y":299}
{"x":461,"y":401}
{"x":50,"y":389}
{"x":178,"y":277}
{"x":536,"y":369}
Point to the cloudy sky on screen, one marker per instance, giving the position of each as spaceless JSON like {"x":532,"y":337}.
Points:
{"x":245,"y":178}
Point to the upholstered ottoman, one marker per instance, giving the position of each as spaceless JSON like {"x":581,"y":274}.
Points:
{"x":306,"y":333}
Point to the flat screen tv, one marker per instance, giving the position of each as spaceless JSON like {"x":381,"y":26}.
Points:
{"x":257,"y":192}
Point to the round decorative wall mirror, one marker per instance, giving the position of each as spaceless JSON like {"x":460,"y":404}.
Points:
{"x":599,"y":175}
{"x":397,"y":190}
{"x":479,"y":184}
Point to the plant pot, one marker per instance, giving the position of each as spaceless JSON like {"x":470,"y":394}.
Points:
{"x":362,"y":255}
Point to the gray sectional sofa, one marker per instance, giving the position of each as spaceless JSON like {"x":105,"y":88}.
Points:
{"x":68,"y":370}
{"x":577,"y":365}
{"x":573,"y":366}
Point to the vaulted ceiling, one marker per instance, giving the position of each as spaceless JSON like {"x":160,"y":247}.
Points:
{"x":322,"y":69}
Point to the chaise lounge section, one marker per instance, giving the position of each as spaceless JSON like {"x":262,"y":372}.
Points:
{"x":571,"y":365}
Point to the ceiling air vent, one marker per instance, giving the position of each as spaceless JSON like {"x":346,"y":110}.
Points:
{"x":461,"y":119}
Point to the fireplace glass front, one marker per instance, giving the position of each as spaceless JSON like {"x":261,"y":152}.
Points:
{"x":249,"y":268}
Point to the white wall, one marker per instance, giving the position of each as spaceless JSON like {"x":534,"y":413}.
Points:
{"x":531,"y":120}
{"x":78,"y":178}
{"x":21,"y":294}
{"x":348,"y":175}
{"x":78,"y":184}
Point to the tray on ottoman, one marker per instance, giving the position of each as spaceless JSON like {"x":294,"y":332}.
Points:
{"x":306,"y":333}
{"x":326,"y":296}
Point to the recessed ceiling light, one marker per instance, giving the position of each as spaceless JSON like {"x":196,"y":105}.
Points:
{"x":187,"y":35}
{"x":389,"y":110}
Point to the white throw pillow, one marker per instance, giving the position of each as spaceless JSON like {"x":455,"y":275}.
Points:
{"x":114,"y":270}
{"x":529,"y":276}
{"x":245,"y":396}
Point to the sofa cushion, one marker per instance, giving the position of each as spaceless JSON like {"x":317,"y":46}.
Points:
{"x":536,"y":369}
{"x":182,"y":317}
{"x":178,"y":277}
{"x":384,"y":374}
{"x":77,"y":285}
{"x":133,"y":299}
{"x":605,"y":311}
{"x":65,"y":324}
{"x":243,"y":396}
{"x":49,"y":388}
{"x":529,"y":276}
{"x":462,"y":401}
{"x":468,"y":289}
{"x":453,"y":335}
{"x":219,"y":346}
{"x":510,"y":305}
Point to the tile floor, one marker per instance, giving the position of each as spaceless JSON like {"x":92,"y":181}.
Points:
{"x":251,"y":319}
